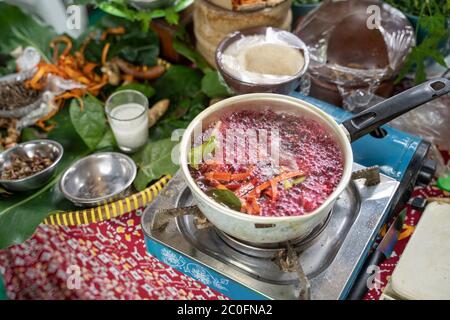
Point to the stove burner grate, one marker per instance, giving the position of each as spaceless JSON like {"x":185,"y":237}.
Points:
{"x":270,"y":250}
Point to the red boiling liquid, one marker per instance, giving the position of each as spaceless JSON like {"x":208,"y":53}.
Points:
{"x":308,"y":168}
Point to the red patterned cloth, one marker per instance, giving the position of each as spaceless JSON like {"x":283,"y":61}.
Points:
{"x":108,"y":260}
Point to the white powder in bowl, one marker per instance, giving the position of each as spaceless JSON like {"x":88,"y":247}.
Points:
{"x":261,"y":59}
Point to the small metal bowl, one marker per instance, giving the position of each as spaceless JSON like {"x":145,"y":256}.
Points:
{"x":98,"y":179}
{"x":42,"y":148}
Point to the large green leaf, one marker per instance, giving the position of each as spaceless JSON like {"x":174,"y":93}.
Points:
{"x":213,"y":85}
{"x":143,"y":88}
{"x":178,"y":83}
{"x":19,"y":29}
{"x":89,"y":122}
{"x":154,"y":162}
{"x":21,"y":213}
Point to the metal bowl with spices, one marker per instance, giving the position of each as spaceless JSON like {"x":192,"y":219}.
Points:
{"x":38,"y":162}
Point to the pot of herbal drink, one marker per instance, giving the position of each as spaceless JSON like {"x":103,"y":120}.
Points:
{"x":268,"y":168}
{"x":262,"y":59}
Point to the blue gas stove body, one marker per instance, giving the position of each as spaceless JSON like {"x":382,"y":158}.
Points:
{"x":393,"y":153}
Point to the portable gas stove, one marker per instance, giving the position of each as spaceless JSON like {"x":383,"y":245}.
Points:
{"x":323,"y":265}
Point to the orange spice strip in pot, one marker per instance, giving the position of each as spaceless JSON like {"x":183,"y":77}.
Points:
{"x":277,"y":179}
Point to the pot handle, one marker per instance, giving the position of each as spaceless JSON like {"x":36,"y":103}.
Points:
{"x":383,"y":112}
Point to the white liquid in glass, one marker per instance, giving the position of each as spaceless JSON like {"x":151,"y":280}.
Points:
{"x":130,"y":134}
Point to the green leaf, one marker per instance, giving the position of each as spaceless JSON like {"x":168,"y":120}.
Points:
{"x":177,"y":83}
{"x":154,"y":161}
{"x":434,"y":27}
{"x":225,"y":197}
{"x":213,"y":85}
{"x":135,"y":46}
{"x":90,"y":123}
{"x":179,"y":116}
{"x":7,"y":64}
{"x":19,"y":29}
{"x":289,"y":184}
{"x":143,"y":88}
{"x":172,"y":16}
{"x":4,"y":192}
{"x":183,"y":45}
{"x":120,"y":8}
{"x":21,"y":213}
{"x":29,"y":134}
{"x":199,"y":153}
{"x":108,"y":140}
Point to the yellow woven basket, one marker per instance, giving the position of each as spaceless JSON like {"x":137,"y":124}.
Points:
{"x":109,"y":210}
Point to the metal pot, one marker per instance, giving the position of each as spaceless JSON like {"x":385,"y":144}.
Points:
{"x":263,"y":230}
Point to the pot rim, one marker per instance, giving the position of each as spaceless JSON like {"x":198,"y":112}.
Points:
{"x":340,"y":133}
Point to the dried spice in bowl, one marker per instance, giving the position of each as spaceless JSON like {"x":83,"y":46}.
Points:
{"x":14,"y":95}
{"x":23,"y":166}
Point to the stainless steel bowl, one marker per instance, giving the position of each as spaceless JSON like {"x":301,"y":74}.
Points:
{"x":98,"y":179}
{"x":42,"y":148}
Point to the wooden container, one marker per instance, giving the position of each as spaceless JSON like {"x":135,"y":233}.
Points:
{"x":213,"y":23}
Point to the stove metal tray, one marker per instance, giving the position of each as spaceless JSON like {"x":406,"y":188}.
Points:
{"x":331,"y":262}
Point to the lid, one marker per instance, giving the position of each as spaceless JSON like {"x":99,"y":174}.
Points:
{"x":423,"y":271}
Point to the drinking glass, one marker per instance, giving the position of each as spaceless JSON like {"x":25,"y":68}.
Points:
{"x":127,"y":113}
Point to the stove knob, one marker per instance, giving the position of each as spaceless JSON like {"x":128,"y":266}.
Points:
{"x":427,"y":172}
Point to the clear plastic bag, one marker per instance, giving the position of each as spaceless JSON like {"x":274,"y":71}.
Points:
{"x":431,"y":122}
{"x":27,"y":61}
{"x":352,"y":49}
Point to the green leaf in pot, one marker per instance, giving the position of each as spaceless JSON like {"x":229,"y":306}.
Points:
{"x":289,"y":184}
{"x":89,"y":122}
{"x":197,"y":154}
{"x":154,"y":161}
{"x":21,"y":213}
{"x":225,"y":197}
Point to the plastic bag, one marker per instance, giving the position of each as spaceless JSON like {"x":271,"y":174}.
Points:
{"x":431,"y":122}
{"x":27,"y":60}
{"x":352,"y":49}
